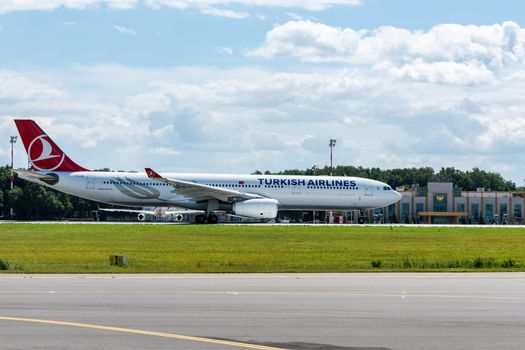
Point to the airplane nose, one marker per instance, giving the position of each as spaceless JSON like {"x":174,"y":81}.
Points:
{"x":398,"y":195}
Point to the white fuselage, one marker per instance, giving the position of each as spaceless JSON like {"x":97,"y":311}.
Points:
{"x":292,"y":192}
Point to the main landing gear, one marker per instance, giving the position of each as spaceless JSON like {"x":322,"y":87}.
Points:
{"x":210,"y":219}
{"x":200,"y":219}
{"x":213,"y":219}
{"x":213,"y":205}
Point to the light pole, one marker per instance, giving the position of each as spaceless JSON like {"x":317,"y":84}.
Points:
{"x":12,"y":177}
{"x":332,"y":145}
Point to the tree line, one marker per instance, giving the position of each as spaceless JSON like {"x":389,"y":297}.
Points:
{"x":468,"y":180}
{"x":31,"y":201}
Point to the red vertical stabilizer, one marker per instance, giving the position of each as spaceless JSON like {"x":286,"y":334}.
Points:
{"x":43,"y":152}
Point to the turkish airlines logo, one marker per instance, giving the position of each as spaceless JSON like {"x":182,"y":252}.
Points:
{"x":43,"y":155}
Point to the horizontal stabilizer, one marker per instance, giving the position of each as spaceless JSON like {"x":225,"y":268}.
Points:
{"x":50,"y":179}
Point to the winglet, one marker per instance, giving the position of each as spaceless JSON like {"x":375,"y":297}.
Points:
{"x":152,"y":174}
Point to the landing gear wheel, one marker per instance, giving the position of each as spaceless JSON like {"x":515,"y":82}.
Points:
{"x":200,"y":219}
{"x":213,"y":219}
{"x":361,"y":220}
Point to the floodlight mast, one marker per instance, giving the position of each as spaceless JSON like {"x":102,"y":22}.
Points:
{"x":12,"y":177}
{"x":331,"y":145}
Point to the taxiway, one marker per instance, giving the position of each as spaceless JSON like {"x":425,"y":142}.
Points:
{"x":263,"y":311}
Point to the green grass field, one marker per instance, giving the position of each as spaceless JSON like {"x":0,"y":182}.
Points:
{"x":48,"y":248}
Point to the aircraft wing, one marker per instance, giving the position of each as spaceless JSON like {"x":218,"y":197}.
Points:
{"x":202,"y":192}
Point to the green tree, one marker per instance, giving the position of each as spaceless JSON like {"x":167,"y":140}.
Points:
{"x":5,"y":172}
{"x":32,"y":201}
{"x":406,"y":177}
{"x":15,"y":198}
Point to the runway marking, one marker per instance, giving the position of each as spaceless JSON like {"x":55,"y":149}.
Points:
{"x":465,"y":295}
{"x":295,"y":276}
{"x":143,"y":332}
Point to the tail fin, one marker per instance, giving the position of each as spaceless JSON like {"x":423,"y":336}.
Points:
{"x":43,"y":152}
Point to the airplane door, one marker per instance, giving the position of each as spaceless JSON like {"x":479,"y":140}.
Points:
{"x":90,"y":182}
{"x":368,"y":190}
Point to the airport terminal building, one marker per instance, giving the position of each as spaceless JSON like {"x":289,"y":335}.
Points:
{"x":440,"y":202}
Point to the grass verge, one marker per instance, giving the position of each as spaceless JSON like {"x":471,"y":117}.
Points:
{"x":49,"y":248}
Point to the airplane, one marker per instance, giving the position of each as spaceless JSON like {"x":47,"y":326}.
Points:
{"x":250,"y":196}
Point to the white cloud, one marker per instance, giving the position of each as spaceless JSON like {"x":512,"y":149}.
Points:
{"x":218,"y":12}
{"x":69,"y":24}
{"x":165,"y":151}
{"x":249,"y":118}
{"x":309,"y":41}
{"x":226,"y":51}
{"x":49,"y":5}
{"x":509,"y":131}
{"x":222,"y":8}
{"x":228,"y":8}
{"x":17,"y":87}
{"x":124,"y":30}
{"x":122,"y":4}
{"x":164,"y":131}
{"x":311,"y":5}
{"x":294,"y":16}
{"x":447,"y":53}
{"x":444,"y":72}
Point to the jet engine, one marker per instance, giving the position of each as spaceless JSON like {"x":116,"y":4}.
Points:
{"x":141,"y":217}
{"x":264,"y":208}
{"x":179,"y":217}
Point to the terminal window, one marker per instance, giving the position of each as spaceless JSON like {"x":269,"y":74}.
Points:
{"x":392,"y":212}
{"x":503,"y":210}
{"x":517,"y":210}
{"x":489,"y":212}
{"x":440,"y":202}
{"x":474,"y":211}
{"x":405,"y":212}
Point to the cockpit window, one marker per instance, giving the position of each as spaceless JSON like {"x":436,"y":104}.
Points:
{"x":387,"y":188}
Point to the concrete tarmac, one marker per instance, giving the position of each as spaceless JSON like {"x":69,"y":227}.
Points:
{"x":263,"y":311}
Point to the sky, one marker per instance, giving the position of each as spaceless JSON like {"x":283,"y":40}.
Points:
{"x":234,"y":86}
